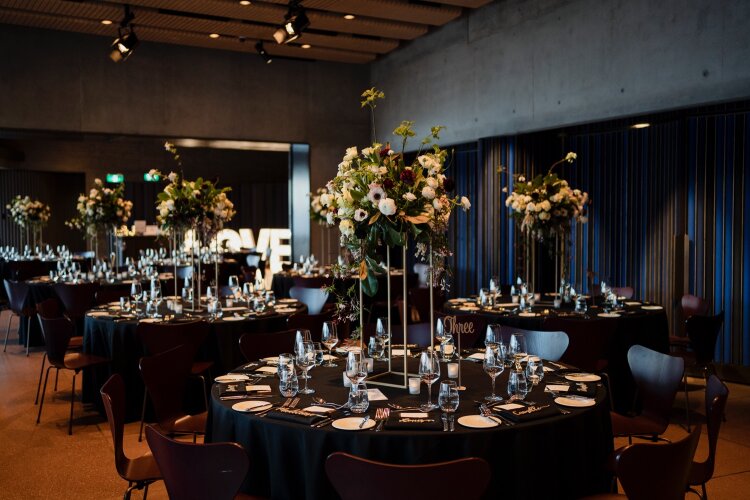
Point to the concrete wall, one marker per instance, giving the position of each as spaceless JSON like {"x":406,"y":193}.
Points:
{"x":51,"y":80}
{"x":520,"y":65}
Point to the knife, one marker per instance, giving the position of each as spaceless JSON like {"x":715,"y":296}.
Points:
{"x":364,"y":421}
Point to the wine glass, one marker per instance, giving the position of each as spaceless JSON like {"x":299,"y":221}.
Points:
{"x":212,"y":292}
{"x":136,"y":289}
{"x":330,"y":338}
{"x":493,"y":365}
{"x":247,"y":292}
{"x":306,"y":360}
{"x":381,"y":333}
{"x":301,"y":337}
{"x":517,"y":347}
{"x":492,"y":336}
{"x":234,"y":283}
{"x":356,"y":368}
{"x":442,"y":335}
{"x":429,"y":372}
{"x":448,"y":398}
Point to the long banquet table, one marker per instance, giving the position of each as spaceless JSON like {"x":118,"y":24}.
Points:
{"x":596,"y":343}
{"x":561,"y":456}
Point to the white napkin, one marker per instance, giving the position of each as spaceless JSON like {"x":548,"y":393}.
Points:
{"x":328,"y":357}
{"x":229,"y":309}
{"x":548,"y":369}
{"x":375,"y":395}
{"x":266,"y":369}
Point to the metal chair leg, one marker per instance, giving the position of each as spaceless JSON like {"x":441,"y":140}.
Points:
{"x":143,"y":415}
{"x":7,"y":330}
{"x":72,"y":400}
{"x":28,"y":333}
{"x":205,"y":392}
{"x":41,"y":372}
{"x":128,"y":491}
{"x":687,"y":402}
{"x":145,"y":491}
{"x":44,"y":389}
{"x":57,"y":375}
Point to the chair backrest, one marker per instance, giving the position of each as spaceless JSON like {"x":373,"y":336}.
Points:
{"x":657,"y":377}
{"x":49,"y":308}
{"x":693,"y":305}
{"x":165,"y":376}
{"x":313,"y":298}
{"x":255,"y":346}
{"x":346,"y":472}
{"x":192,"y":471}
{"x":642,"y":472}
{"x":113,"y":398}
{"x":716,"y":401}
{"x":623,"y":291}
{"x":160,"y":337}
{"x":112,"y":293}
{"x":470,"y":327}
{"x":17,"y":292}
{"x":77,"y":298}
{"x":57,"y":333}
{"x":550,"y":345}
{"x":703,"y":332}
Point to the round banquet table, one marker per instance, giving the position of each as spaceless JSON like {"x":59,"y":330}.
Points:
{"x":560,"y":456}
{"x":115,"y":338}
{"x":596,"y":343}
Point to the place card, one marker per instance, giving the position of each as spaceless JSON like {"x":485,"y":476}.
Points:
{"x":414,"y":415}
{"x":510,"y":406}
{"x":375,"y":395}
{"x":266,"y":369}
{"x":477,"y":355}
{"x":400,"y":352}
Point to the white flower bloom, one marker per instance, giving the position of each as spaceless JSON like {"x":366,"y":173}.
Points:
{"x":387,"y":206}
{"x":172,"y":176}
{"x":546,"y":206}
{"x":170,"y":205}
{"x":530,"y":207}
{"x":368,"y":151}
{"x":570,"y":157}
{"x":409,"y":197}
{"x":153,"y":172}
{"x":544,"y":216}
{"x":351,"y":153}
{"x":428,"y":192}
{"x":583,"y":219}
{"x":346,"y":227}
{"x":325,"y":199}
{"x":505,"y":189}
{"x":330,"y":218}
{"x":383,"y":170}
{"x":374,"y":169}
{"x":522,"y":179}
{"x":375,"y":194}
{"x":344,"y":166}
{"x":360,"y":214}
{"x":432,"y":182}
{"x":465,"y":203}
{"x":437,"y":205}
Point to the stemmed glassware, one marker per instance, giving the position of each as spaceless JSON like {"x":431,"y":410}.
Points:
{"x":492,"y":335}
{"x":494,"y":365}
{"x":247,"y":292}
{"x":444,"y":337}
{"x":517,"y":347}
{"x":306,"y":360}
{"x":448,"y":399}
{"x":234,"y":284}
{"x":429,"y":372}
{"x":136,"y":289}
{"x":300,"y":338}
{"x":356,"y":368}
{"x":330,"y":338}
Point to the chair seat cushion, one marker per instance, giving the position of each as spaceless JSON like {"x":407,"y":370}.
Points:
{"x":143,"y":468}
{"x":75,"y":343}
{"x":78,"y":360}
{"x":630,"y":426}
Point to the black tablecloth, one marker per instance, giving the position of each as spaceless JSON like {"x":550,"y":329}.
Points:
{"x":596,"y":343}
{"x":116,"y":340}
{"x":556,"y":457}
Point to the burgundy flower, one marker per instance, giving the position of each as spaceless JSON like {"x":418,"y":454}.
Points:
{"x":407,"y":177}
{"x":449,"y":184}
{"x":388,"y":183}
{"x":385,"y":150}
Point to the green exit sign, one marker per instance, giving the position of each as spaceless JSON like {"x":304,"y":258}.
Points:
{"x":115,"y":178}
{"x":151,"y":178}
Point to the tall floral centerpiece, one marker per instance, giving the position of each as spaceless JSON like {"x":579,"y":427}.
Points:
{"x":102,"y":210}
{"x":31,"y":216}
{"x":319,"y":214}
{"x":544,"y":208}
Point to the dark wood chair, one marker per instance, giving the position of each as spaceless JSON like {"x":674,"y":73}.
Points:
{"x":165,"y":376}
{"x":256,"y":346}
{"x":141,"y":471}
{"x":690,"y":305}
{"x":77,"y":299}
{"x":160,"y":337}
{"x":17,"y":292}
{"x":654,"y":471}
{"x":469,"y":478}
{"x":198,"y":471}
{"x":702,"y":334}
{"x":716,"y":401}
{"x":50,"y":309}
{"x":657,"y":378}
{"x":547,"y":345}
{"x":57,"y":333}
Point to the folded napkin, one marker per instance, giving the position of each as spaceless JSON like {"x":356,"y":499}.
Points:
{"x":587,"y":389}
{"x":414,"y":421}
{"x":527,"y":413}
{"x":243,"y":389}
{"x":295,"y":416}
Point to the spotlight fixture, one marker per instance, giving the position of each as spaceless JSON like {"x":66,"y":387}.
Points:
{"x":126,"y":41}
{"x":214,"y":35}
{"x":262,"y":52}
{"x":306,"y":45}
{"x":106,"y":22}
{"x":349,"y":17}
{"x":295,"y":22}
{"x":640,"y":125}
{"x":244,"y":2}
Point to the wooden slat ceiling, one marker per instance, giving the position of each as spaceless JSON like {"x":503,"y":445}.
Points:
{"x":378,"y":26}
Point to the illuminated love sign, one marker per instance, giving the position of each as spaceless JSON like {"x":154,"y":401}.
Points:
{"x":274,"y":242}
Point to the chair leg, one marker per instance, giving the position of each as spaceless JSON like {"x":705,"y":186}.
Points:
{"x":128,"y":491}
{"x":44,"y":389}
{"x":205,"y":392}
{"x":7,"y":330}
{"x":39,"y":385}
{"x":72,"y":400}
{"x":143,"y":416}
{"x":28,"y":333}
{"x":703,"y":488}
{"x":57,"y":375}
{"x":145,"y":491}
{"x":687,"y":401}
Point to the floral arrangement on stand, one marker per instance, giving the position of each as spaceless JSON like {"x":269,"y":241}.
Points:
{"x":30,"y":215}
{"x":318,"y":212}
{"x":378,"y":198}
{"x":102,"y":209}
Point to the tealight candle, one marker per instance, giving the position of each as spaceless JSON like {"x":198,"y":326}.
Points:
{"x":537,"y":296}
{"x":414,"y":385}
{"x":514,"y":299}
{"x":452,"y":370}
{"x":230,"y":302}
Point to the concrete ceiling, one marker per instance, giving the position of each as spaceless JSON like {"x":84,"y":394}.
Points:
{"x":377,"y":26}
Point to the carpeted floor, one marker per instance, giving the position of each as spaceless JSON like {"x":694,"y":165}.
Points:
{"x":42,"y":461}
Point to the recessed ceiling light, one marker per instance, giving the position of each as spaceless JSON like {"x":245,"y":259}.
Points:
{"x":349,"y":17}
{"x":641,"y":125}
{"x":213,"y":35}
{"x":306,"y":46}
{"x":244,"y":2}
{"x":106,"y":22}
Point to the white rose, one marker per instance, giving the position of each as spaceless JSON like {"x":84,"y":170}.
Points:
{"x":170,"y":205}
{"x":530,"y":207}
{"x":522,"y":179}
{"x":360,"y":215}
{"x":432,"y":182}
{"x":330,"y":218}
{"x":383,"y":170}
{"x":546,"y":206}
{"x":344,"y":166}
{"x":544,"y":216}
{"x":172,"y":176}
{"x":570,"y":157}
{"x":325,"y":199}
{"x":437,"y":205}
{"x":465,"y":203}
{"x":367,"y":151}
{"x":346,"y":227}
{"x":351,"y":153}
{"x":387,"y":206}
{"x":409,"y":197}
{"x":428,"y":192}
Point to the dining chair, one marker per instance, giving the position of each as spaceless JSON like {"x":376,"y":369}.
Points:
{"x":200,"y":471}
{"x":690,"y":305}
{"x":57,"y":333}
{"x":624,"y":291}
{"x":255,"y":346}
{"x":547,"y":345}
{"x":649,"y":471}
{"x":698,"y":355}
{"x":165,"y":376}
{"x":313,"y":298}
{"x":50,"y":309}
{"x":77,"y":299}
{"x":157,"y":338}
{"x":140,"y":471}
{"x":405,"y":482}
{"x":716,"y":400}
{"x":657,"y":378}
{"x":17,"y":292}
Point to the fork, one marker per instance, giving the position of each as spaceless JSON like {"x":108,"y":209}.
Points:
{"x":381,"y":415}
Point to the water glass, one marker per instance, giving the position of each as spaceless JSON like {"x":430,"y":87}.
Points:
{"x":215,"y":309}
{"x":356,"y":368}
{"x":358,"y":401}
{"x":286,"y":362}
{"x":517,"y":386}
{"x":288,"y":382}
{"x":270,"y":299}
{"x":534,"y":370}
{"x":375,"y":348}
{"x":319,"y":353}
{"x":517,"y":347}
{"x":152,"y":310}
{"x":448,"y":396}
{"x":125,"y":304}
